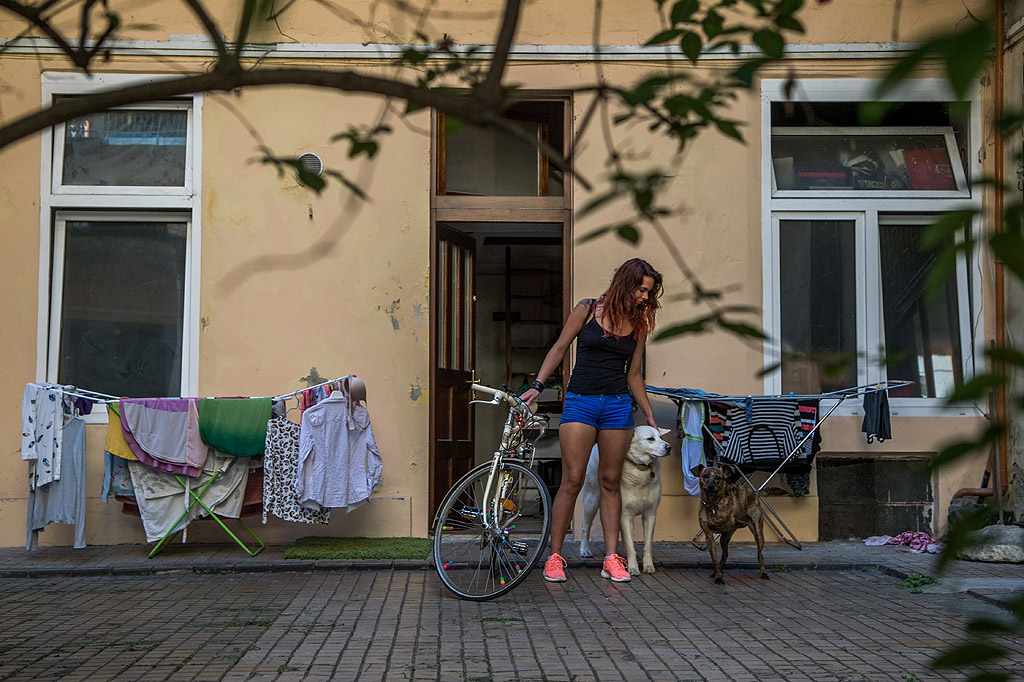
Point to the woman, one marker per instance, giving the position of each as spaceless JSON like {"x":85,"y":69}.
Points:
{"x":612,"y":331}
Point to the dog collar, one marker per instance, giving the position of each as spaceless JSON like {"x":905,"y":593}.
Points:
{"x":641,"y":467}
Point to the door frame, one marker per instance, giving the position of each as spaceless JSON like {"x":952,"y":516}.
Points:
{"x":456,"y":209}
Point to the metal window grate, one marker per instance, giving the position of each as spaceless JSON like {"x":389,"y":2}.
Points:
{"x":861,"y":497}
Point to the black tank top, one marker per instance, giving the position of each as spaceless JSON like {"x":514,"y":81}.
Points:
{"x":601,"y":361}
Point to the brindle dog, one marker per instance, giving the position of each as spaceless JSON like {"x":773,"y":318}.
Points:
{"x":728,"y":503}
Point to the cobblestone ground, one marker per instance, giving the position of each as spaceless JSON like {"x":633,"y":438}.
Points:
{"x":399,"y":625}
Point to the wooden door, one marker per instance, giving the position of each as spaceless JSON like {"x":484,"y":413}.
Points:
{"x":452,"y":310}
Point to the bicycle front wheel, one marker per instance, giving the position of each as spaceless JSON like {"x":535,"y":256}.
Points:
{"x":484,"y":548}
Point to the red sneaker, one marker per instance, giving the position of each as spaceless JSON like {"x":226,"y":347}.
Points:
{"x":554,"y":569}
{"x":615,"y":568}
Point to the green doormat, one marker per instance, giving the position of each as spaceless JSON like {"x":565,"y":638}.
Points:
{"x":314,"y":547}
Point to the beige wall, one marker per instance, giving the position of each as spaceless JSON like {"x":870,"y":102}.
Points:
{"x":543,"y":22}
{"x":346,"y":291}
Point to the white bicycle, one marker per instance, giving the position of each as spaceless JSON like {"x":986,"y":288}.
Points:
{"x":492,"y":527}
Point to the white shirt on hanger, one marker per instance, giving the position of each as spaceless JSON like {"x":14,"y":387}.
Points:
{"x":338,"y":459}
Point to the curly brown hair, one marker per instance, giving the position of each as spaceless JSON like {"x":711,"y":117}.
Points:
{"x":617,"y":302}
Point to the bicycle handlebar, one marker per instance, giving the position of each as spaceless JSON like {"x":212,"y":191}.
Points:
{"x":511,"y":400}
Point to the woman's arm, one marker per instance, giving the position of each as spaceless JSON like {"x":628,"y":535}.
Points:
{"x":572,"y":327}
{"x":636,"y":383}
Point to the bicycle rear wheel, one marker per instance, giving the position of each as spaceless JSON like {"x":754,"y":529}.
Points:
{"x":478,"y":561}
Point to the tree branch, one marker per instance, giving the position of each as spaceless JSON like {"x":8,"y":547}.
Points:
{"x":491,"y":88}
{"x":229,"y":77}
{"x":35,"y":17}
{"x":211,"y":28}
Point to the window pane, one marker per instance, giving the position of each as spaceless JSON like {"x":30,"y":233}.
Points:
{"x":123,"y":306}
{"x":862,"y":162}
{"x":922,"y":337}
{"x":819,"y":305}
{"x":492,"y":162}
{"x":126,"y":148}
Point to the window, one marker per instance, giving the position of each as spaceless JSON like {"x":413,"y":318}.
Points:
{"x":120,"y":219}
{"x":475,"y":161}
{"x":119,"y":302}
{"x":846,"y":205}
{"x":834,"y":334}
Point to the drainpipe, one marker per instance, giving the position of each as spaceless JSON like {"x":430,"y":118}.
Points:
{"x":999,"y":454}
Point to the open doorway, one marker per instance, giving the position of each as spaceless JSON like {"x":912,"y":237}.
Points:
{"x":518,"y":308}
{"x":500,"y":211}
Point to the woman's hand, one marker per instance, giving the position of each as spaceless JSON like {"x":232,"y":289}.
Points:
{"x":649,"y":420}
{"x":529,"y":396}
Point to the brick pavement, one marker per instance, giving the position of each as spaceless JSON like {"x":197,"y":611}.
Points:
{"x":399,"y":625}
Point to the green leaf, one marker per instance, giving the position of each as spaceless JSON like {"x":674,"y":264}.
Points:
{"x":665,"y":36}
{"x":981,"y":626}
{"x":594,"y":234}
{"x":966,"y":54}
{"x":413,"y":106}
{"x":1010,"y":356}
{"x":942,"y":231}
{"x":691,"y":45}
{"x":1008,"y":247}
{"x":741,"y":328}
{"x":683,"y":11}
{"x":713,"y":24}
{"x":977,"y":387}
{"x":955,"y":451}
{"x":789,"y":23}
{"x":599,"y":201}
{"x":452,"y":125}
{"x":729,"y":128}
{"x":973,"y":653}
{"x":629,"y":233}
{"x":770,"y":42}
{"x":745,"y":74}
{"x":768,"y":369}
{"x":696,"y":326}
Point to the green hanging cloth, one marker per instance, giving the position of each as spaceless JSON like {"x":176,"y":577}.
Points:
{"x":235,"y":426}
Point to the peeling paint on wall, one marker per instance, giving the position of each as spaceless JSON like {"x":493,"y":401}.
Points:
{"x":391,"y":311}
{"x":416,"y":390}
{"x":417,"y":310}
{"x":313,"y":377}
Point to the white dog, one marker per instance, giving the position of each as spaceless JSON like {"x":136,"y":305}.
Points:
{"x":641,"y":494}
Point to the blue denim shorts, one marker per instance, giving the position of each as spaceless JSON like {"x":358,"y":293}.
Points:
{"x":600,"y":411}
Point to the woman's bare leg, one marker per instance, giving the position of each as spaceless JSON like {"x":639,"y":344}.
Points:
{"x":612,"y":444}
{"x":576,"y":439}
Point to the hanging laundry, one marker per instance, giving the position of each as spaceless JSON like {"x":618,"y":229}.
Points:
{"x":235,"y":426}
{"x":162,"y":499}
{"x":168,"y":438}
{"x":338,"y":459}
{"x":83,"y":406}
{"x":876,"y":422}
{"x":117,"y":479}
{"x":761,"y":430}
{"x":691,"y":421}
{"x":280,"y":468}
{"x":63,"y":499}
{"x":116,"y":444}
{"x":42,"y":429}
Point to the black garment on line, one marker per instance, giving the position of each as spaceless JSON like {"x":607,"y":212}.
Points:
{"x":876,"y":416}
{"x":601,"y":361}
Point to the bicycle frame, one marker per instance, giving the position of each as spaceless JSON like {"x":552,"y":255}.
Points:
{"x":513,"y":445}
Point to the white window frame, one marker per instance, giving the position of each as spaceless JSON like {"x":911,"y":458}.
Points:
{"x":812,"y":205}
{"x":184,"y":190}
{"x":98,"y":203}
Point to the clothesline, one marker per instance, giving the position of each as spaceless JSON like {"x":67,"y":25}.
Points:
{"x":839,"y":394}
{"x":106,"y":398}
